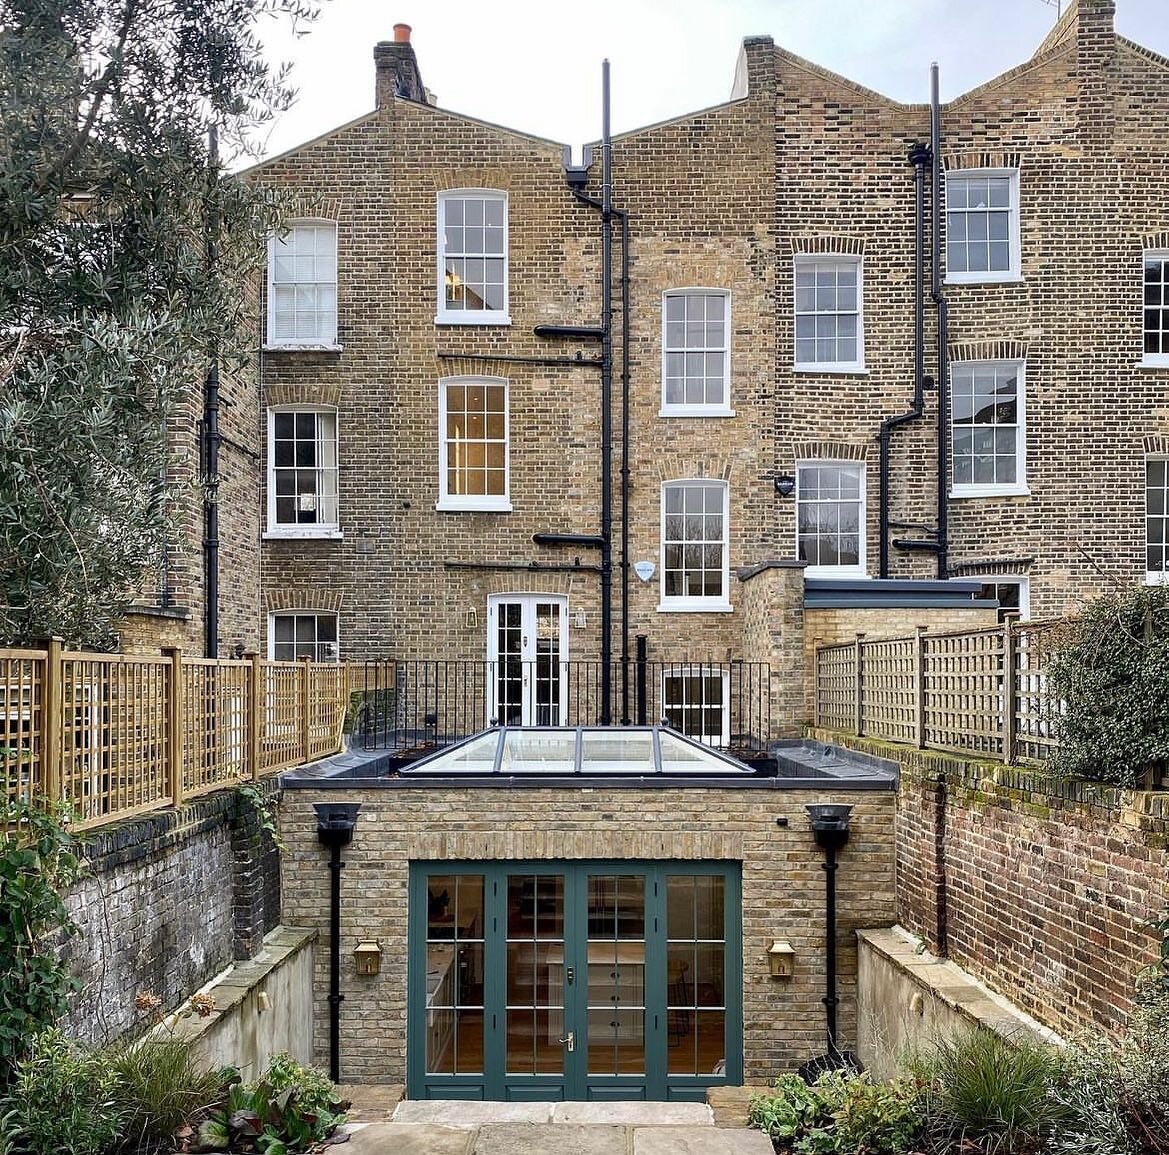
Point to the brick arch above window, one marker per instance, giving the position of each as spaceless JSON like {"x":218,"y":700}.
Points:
{"x":1003,"y":565}
{"x":828,"y":451}
{"x":704,"y":468}
{"x":303,"y":599}
{"x":561,"y":585}
{"x":454,"y":179}
{"x":302,"y":393}
{"x":1159,"y":240}
{"x":304,"y":205}
{"x":998,"y":158}
{"x":829,"y":243}
{"x":989,"y":351}
{"x":1156,"y":444}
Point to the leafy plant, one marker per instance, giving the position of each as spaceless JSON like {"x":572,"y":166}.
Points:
{"x":264,"y":808}
{"x":157,"y":1087}
{"x":1111,"y":670}
{"x":61,"y":1100}
{"x":38,"y":864}
{"x":291,"y":1108}
{"x":987,"y":1094}
{"x":842,"y":1113}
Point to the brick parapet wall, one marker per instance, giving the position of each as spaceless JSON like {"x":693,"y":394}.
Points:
{"x":1041,"y":889}
{"x":169,"y":899}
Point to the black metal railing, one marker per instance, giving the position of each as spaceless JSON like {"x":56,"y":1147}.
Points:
{"x":413,"y":706}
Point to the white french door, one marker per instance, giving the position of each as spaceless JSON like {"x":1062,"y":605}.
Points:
{"x":527,"y":655}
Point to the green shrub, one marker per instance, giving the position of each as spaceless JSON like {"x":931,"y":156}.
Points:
{"x":842,"y":1113}
{"x":60,"y":1101}
{"x":1111,"y":669}
{"x":291,"y":1108}
{"x":157,"y":1087}
{"x":985,"y":1094}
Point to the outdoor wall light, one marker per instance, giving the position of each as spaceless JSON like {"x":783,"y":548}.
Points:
{"x":781,"y":957}
{"x":785,"y":485}
{"x":368,"y":957}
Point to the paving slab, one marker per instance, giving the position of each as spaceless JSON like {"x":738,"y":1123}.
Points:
{"x":732,"y":1105}
{"x":543,"y":1139}
{"x":634,"y":1114}
{"x":406,"y":1139}
{"x":700,"y":1141}
{"x":470,"y":1112}
{"x":371,"y":1102}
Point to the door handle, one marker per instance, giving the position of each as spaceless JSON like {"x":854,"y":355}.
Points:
{"x":569,"y":1040}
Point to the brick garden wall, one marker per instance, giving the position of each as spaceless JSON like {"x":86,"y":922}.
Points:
{"x":168,"y":901}
{"x":1040,"y":890}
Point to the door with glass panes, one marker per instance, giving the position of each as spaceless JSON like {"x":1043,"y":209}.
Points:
{"x":527,"y":658}
{"x":583,"y":980}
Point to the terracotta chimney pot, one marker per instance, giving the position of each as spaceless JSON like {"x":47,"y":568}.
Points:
{"x":402,"y":33}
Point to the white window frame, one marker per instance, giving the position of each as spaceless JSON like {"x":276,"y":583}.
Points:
{"x":473,"y":502}
{"x":723,"y":738}
{"x":841,"y":571}
{"x":274,"y":614}
{"x":1155,"y":577}
{"x":1023,"y":581}
{"x":448,"y":316}
{"x":702,"y":603}
{"x":811,"y":260}
{"x":1018,"y":487}
{"x":1014,"y":239}
{"x":704,"y":409}
{"x":327,"y":342}
{"x":330,"y":530}
{"x":1155,"y":360}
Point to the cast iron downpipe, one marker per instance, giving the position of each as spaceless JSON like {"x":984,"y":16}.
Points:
{"x":919,"y":157}
{"x":943,"y":307}
{"x":577,"y":177}
{"x":211,"y":437}
{"x":335,"y":823}
{"x":830,"y":825}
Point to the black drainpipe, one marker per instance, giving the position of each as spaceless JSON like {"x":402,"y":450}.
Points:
{"x":919,"y":157}
{"x":943,"y":307}
{"x":211,"y":436}
{"x":335,"y":823}
{"x":577,"y":178}
{"x":830,"y":825}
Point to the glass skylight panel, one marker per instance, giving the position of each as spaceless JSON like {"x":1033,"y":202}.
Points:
{"x":680,"y":757}
{"x":538,"y":752}
{"x":476,"y":757}
{"x":617,"y":752}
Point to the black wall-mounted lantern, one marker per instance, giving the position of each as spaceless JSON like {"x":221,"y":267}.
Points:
{"x":335,"y":824}
{"x":829,"y":822}
{"x":785,"y":485}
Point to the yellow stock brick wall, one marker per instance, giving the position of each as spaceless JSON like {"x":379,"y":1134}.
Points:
{"x":783,"y":892}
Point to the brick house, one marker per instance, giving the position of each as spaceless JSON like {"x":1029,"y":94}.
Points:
{"x":431,"y":429}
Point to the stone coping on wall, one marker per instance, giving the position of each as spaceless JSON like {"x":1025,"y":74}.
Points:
{"x":232,"y":986}
{"x":1027,"y":789}
{"x":952,"y":986}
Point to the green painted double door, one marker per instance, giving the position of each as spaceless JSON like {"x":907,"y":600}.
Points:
{"x":574,"y":980}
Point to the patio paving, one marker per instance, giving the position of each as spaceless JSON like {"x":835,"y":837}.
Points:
{"x":450,"y":1127}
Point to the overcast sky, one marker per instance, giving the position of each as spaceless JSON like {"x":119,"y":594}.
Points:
{"x":535,"y":65}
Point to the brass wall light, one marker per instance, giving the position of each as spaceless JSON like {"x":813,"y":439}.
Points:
{"x":368,"y":957}
{"x":781,"y":956}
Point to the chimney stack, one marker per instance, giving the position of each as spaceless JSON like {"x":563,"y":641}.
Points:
{"x":397,"y":70}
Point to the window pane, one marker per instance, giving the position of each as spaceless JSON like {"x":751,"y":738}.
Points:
{"x":830,"y":514}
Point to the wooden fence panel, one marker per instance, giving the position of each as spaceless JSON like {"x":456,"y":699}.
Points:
{"x":114,"y":733}
{"x":215,"y":721}
{"x":22,"y":681}
{"x":1037,"y":710}
{"x":280,"y":720}
{"x":835,"y":686}
{"x":964,"y":690}
{"x":327,"y":699}
{"x":889,"y":699}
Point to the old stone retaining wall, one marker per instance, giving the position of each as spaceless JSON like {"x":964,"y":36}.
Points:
{"x":169,"y":900}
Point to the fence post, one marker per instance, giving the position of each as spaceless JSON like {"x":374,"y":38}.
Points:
{"x":919,"y":684}
{"x":306,"y":670}
{"x":255,"y":673}
{"x":52,"y":720}
{"x":816,"y":644}
{"x":860,"y":694}
{"x":174,"y":723}
{"x":1010,"y":717}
